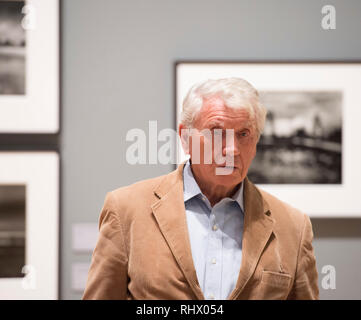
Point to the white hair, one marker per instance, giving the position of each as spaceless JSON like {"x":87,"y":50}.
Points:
{"x":235,"y":92}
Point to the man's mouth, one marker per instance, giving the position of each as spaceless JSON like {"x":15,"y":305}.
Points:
{"x":227,"y":167}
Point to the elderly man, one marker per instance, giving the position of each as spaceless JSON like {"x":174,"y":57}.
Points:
{"x":204,"y":231}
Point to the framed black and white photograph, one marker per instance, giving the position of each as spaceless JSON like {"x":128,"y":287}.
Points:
{"x":29,"y":66}
{"x":302,"y":139}
{"x":29,"y":225}
{"x":308,"y":154}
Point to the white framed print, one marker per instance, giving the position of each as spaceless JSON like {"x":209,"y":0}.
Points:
{"x":29,"y":66}
{"x":308,"y":154}
{"x":29,"y":225}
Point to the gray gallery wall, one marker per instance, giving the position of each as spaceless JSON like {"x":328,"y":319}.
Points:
{"x":117,"y":74}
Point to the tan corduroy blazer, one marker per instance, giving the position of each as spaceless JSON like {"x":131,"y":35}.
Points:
{"x":143,"y":250}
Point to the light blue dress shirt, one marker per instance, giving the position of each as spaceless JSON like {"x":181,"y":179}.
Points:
{"x":215,"y":236}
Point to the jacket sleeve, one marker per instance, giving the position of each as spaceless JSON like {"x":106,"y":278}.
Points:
{"x":305,"y":286}
{"x":107,"y":276}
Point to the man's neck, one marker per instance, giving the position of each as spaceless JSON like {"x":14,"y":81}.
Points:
{"x":213,"y":193}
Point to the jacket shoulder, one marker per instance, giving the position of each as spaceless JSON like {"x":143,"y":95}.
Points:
{"x":128,"y":201}
{"x":138,"y":189}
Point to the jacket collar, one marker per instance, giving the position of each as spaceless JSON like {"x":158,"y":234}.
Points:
{"x":169,"y":212}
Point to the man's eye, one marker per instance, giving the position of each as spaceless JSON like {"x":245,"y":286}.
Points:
{"x":244,"y":134}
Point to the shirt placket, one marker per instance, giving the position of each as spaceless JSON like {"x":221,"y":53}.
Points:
{"x":214,"y":258}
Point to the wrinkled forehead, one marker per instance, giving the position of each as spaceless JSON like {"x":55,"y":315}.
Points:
{"x":215,"y":113}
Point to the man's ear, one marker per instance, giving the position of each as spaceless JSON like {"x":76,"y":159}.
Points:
{"x":184,"y":134}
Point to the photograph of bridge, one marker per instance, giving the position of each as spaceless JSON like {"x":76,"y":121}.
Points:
{"x":302,"y":139}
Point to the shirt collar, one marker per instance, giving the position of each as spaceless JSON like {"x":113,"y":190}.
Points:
{"x":191,"y":188}
{"x":190,"y":185}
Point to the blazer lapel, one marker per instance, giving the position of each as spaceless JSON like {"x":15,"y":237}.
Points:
{"x":256,"y":232}
{"x":169,"y":212}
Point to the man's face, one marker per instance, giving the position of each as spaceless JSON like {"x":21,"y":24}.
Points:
{"x":216,"y":115}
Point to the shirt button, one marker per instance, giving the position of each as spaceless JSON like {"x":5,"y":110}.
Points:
{"x":214,"y":261}
{"x":215,"y":228}
{"x":211,"y":296}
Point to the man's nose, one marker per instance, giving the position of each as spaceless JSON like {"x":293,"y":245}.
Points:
{"x":231,"y":148}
